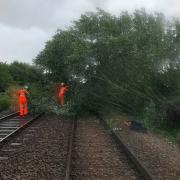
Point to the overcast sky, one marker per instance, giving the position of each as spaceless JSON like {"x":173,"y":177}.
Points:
{"x":25,"y":25}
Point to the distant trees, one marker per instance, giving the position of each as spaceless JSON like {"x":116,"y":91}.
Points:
{"x":13,"y":76}
{"x":18,"y":73}
{"x":130,"y":63}
{"x":24,"y":74}
{"x":5,"y":77}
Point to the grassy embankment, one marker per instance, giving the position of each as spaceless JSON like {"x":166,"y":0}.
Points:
{"x":172,"y":134}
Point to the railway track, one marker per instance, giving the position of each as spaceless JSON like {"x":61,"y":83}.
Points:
{"x":38,"y":152}
{"x":12,"y":124}
{"x":94,"y":153}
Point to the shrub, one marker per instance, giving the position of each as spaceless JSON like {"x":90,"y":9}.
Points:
{"x":12,"y":92}
{"x":172,"y":111}
{"x":4,"y":102}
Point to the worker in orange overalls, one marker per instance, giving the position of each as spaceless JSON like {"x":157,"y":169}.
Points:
{"x":23,"y":101}
{"x":62,"y":90}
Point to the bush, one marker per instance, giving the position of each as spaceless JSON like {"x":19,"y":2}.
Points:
{"x":4,"y":102}
{"x":171,"y":109}
{"x":149,"y":117}
{"x":12,"y":92}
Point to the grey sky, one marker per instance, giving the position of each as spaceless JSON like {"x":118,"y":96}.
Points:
{"x":25,"y":25}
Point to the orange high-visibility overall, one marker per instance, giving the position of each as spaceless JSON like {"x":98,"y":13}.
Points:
{"x":62,"y":92}
{"x":23,"y":102}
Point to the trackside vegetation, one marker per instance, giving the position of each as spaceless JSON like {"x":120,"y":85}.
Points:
{"x":126,"y":64}
{"x":12,"y":77}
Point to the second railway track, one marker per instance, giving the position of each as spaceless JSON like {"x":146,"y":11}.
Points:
{"x":93,"y":154}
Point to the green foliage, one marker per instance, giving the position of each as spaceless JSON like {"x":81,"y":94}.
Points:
{"x":4,"y":101}
{"x":111,"y":123}
{"x":65,"y":110}
{"x":14,"y":76}
{"x":39,"y":97}
{"x":129,"y":63}
{"x":5,"y":77}
{"x":171,"y":110}
{"x":24,"y":74}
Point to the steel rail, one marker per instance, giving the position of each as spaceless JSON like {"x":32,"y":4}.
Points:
{"x":138,"y":165}
{"x":18,"y":130}
{"x":69,"y":149}
{"x":9,"y":115}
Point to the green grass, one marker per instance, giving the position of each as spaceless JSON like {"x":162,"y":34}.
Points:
{"x":173,"y":135}
{"x":152,"y":123}
{"x":157,"y":123}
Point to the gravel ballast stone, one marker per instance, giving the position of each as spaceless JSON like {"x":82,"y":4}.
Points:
{"x":96,"y":156}
{"x":159,"y":156}
{"x":42,"y":155}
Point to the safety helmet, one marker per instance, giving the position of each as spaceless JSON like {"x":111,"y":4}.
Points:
{"x":62,"y":84}
{"x":26,"y":87}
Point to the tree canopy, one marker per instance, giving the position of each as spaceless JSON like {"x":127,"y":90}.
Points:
{"x":18,"y":73}
{"x":128,"y":62}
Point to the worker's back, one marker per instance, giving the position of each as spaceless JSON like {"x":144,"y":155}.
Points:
{"x":63,"y":89}
{"x":22,"y":95}
{"x":23,"y":102}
